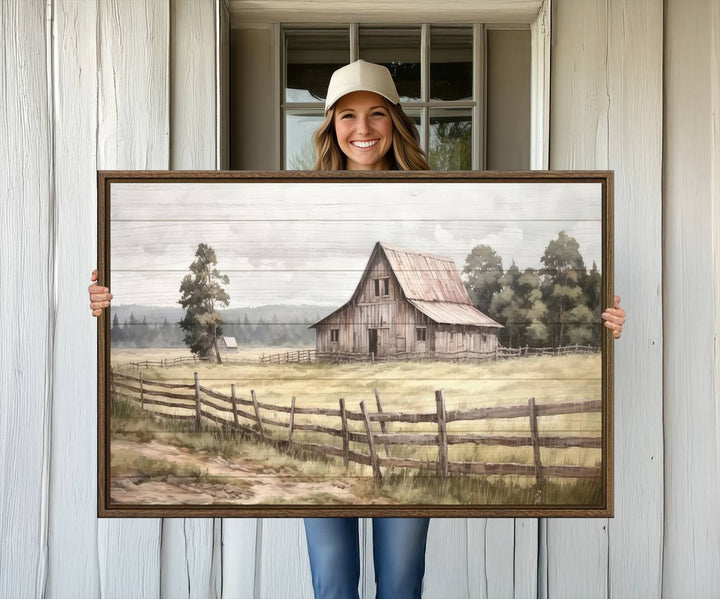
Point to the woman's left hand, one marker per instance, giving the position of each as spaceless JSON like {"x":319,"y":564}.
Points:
{"x":614,"y":318}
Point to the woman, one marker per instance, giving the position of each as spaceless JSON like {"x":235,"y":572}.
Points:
{"x":365,"y":129}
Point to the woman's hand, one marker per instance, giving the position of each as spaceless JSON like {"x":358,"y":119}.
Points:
{"x":614,"y":318}
{"x":99,"y":296}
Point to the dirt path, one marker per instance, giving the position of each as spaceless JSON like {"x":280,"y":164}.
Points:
{"x":245,"y":481}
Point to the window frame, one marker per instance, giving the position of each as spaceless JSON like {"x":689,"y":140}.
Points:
{"x":423,"y":108}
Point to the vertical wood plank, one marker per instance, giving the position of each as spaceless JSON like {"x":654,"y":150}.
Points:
{"x":577,"y":550}
{"x":72,"y":548}
{"x":239,"y":557}
{"x":691,"y":400}
{"x":635,"y":87}
{"x":190,"y":565}
{"x":608,"y":71}
{"x":133,"y":133}
{"x":192,"y":85}
{"x":282,"y":567}
{"x":26,"y":317}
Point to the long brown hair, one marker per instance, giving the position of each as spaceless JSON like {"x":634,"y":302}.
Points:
{"x":405,"y":153}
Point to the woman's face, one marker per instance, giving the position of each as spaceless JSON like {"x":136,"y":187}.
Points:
{"x":364,"y":130}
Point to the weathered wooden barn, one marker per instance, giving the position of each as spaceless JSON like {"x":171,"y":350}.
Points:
{"x":408,"y":303}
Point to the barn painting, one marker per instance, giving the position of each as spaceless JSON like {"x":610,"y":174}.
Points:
{"x":407,"y":304}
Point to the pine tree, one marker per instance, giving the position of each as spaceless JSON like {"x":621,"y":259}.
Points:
{"x":201,"y":291}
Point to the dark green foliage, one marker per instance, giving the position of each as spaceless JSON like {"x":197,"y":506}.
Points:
{"x":557,"y":305}
{"x":201,"y":291}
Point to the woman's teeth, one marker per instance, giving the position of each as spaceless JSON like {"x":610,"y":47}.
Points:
{"x":364,"y":144}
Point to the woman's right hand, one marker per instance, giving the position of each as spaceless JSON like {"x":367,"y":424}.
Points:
{"x":99,"y":296}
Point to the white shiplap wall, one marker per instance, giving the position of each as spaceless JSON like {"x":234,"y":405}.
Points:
{"x":117,"y":84}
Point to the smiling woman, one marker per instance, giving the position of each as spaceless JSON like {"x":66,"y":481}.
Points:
{"x":365,"y":128}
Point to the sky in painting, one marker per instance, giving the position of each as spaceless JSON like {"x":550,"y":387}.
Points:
{"x":308,"y":243}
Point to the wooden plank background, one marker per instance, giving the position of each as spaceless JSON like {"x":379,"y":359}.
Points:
{"x":104,"y":84}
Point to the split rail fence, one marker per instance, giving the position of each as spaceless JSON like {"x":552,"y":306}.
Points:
{"x":245,"y":416}
{"x":463,"y":355}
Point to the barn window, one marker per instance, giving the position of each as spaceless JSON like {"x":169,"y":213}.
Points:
{"x":382,"y":287}
{"x":420,"y":333}
{"x":334,"y":335}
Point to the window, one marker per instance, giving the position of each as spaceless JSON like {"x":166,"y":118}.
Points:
{"x":439,"y":71}
{"x":334,"y":335}
{"x":420,"y":333}
{"x":382,"y":287}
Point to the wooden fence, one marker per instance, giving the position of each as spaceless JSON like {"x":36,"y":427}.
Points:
{"x":463,"y":355}
{"x":244,"y":415}
{"x":170,"y":362}
{"x":300,"y":355}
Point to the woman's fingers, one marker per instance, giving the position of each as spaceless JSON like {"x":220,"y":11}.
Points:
{"x":99,"y":296}
{"x":614,"y":318}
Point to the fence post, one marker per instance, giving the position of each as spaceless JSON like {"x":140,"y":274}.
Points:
{"x":496,"y":351}
{"x":442,"y":466}
{"x":257,"y":415}
{"x":383,"y":425}
{"x":198,"y":405}
{"x":576,"y":348}
{"x":371,"y":443}
{"x":535,"y":439}
{"x":292,"y":421}
{"x":234,"y":405}
{"x":142,"y":396}
{"x":345,"y":435}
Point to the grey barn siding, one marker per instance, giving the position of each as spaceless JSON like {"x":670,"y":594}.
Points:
{"x":116,"y":84}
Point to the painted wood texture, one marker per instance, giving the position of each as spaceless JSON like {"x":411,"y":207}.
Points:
{"x":606,"y":112}
{"x":692,"y":397}
{"x":189,"y":565}
{"x":27,"y":316}
{"x":133,"y":130}
{"x":323,"y":11}
{"x":72,"y":550}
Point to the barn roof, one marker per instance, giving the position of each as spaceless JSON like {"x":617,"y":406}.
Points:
{"x":229,"y":341}
{"x":429,"y":282}
{"x":450,"y":313}
{"x":426,"y":277}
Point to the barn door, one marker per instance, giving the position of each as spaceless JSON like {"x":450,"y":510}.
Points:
{"x":372,"y":335}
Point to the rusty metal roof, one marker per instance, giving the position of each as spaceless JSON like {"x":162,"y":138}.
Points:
{"x":424,"y":276}
{"x":451,"y":313}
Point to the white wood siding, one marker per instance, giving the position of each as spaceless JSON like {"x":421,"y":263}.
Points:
{"x":691,"y":303}
{"x":106,"y":84}
{"x":606,"y":112}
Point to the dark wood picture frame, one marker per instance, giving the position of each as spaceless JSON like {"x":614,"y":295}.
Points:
{"x":329,"y":338}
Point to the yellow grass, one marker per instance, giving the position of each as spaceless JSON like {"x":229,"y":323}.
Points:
{"x":410,"y":387}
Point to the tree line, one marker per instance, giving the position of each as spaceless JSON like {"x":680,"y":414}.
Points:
{"x":136,"y":332}
{"x":557,"y":304}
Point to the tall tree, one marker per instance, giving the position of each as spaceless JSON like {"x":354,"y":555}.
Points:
{"x":484,"y":270}
{"x":564,"y":269}
{"x":201,"y":292}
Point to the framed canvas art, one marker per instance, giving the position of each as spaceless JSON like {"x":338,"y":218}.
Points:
{"x":355,"y":344}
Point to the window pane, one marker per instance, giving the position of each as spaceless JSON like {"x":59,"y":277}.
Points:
{"x":299,"y":149}
{"x":451,"y":56}
{"x":399,"y":50}
{"x":311,"y":58}
{"x":450,"y":140}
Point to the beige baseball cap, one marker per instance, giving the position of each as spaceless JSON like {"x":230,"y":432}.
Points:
{"x":361,"y":76}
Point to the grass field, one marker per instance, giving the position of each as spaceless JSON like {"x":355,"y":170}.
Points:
{"x":408,"y":387}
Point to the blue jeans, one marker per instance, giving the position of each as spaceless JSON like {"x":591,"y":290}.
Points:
{"x":398,"y":553}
